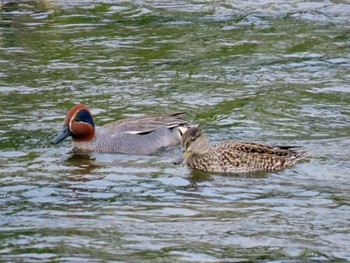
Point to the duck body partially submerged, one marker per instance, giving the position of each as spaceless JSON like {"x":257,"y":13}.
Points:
{"x":141,"y":135}
{"x":236,"y":156}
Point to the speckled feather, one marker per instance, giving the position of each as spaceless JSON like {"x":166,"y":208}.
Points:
{"x":235,"y":156}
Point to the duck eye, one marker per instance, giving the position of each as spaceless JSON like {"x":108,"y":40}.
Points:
{"x":84,"y":116}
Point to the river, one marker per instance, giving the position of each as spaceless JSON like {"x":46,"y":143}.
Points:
{"x":273,"y":72}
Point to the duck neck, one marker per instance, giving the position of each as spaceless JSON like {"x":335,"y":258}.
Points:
{"x":203,"y":147}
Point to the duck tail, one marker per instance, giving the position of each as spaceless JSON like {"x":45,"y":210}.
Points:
{"x":301,"y":155}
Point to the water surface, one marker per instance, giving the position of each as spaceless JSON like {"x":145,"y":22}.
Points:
{"x":265,"y":71}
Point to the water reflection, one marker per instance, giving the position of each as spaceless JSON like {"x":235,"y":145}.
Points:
{"x":82,"y":167}
{"x":197,"y":176}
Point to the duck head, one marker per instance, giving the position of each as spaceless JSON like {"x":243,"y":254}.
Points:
{"x":193,"y":141}
{"x":79,"y":124}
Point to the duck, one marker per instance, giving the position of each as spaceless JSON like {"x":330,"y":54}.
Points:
{"x":235,"y":156}
{"x":138,"y":135}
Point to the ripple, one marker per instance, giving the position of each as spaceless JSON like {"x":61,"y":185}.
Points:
{"x":265,"y":71}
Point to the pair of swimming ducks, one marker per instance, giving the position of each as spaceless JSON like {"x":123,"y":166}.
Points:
{"x":147,"y":135}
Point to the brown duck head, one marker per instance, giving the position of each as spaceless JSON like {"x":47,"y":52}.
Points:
{"x":78,"y":124}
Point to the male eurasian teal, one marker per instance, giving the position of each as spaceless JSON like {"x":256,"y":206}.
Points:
{"x":142,"y":135}
{"x":235,"y":156}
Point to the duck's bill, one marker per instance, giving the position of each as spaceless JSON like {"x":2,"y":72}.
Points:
{"x":62,"y":135}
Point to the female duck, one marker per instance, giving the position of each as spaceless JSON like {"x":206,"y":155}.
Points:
{"x":143,"y":135}
{"x":234,"y":156}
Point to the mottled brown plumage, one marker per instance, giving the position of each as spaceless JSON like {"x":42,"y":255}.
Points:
{"x":235,"y":156}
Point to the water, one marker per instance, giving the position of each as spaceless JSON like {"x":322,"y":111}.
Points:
{"x":265,"y":71}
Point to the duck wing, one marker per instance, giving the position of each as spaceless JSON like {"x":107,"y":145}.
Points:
{"x":263,"y":149}
{"x":143,"y":135}
{"x":148,"y":124}
{"x":248,"y":156}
